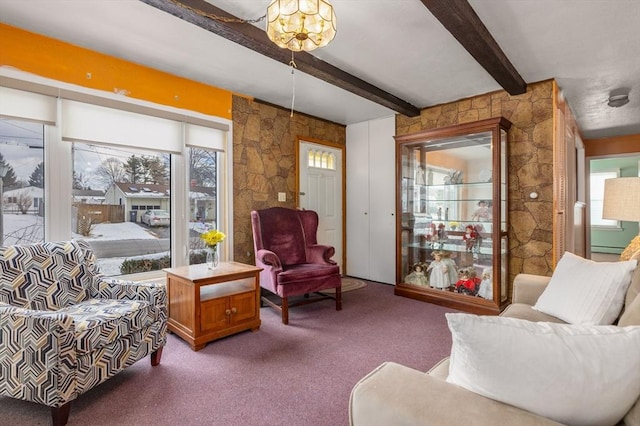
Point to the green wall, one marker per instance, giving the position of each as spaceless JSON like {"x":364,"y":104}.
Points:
{"x":614,"y":241}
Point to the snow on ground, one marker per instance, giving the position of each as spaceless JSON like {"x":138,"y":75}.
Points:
{"x":117,"y":231}
{"x":22,"y":228}
{"x":26,"y":229}
{"x":111,"y":266}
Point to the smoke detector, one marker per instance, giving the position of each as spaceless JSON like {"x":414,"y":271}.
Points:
{"x":617,"y":101}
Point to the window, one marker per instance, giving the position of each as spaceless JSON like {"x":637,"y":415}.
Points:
{"x":596,"y":187}
{"x":321,"y":159}
{"x":113,"y":228}
{"x":22,"y":208}
{"x":203,"y":199}
{"x":114,"y":164}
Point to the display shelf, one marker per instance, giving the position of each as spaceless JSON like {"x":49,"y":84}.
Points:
{"x":452,"y":216}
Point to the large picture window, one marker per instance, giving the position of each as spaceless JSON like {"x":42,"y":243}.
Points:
{"x":140,"y":182}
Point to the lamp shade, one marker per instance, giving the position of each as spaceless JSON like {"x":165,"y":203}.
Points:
{"x":622,"y":199}
{"x":301,"y":25}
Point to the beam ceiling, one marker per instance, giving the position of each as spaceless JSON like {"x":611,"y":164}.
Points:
{"x":459,"y":18}
{"x":197,"y":11}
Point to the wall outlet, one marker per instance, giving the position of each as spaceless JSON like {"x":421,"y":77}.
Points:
{"x":282,"y":196}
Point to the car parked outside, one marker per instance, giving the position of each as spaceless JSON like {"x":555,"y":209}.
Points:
{"x":156,"y":218}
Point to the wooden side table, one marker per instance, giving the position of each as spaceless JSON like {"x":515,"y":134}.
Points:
{"x":206,"y":304}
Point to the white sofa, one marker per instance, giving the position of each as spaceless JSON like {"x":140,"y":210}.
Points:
{"x":394,"y":394}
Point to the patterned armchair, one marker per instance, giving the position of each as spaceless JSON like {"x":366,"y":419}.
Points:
{"x":293,"y":262}
{"x":64,"y":329}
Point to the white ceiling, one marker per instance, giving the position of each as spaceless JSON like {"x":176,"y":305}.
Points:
{"x":591,"y":47}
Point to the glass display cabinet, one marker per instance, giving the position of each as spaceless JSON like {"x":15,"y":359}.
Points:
{"x":452,"y":217}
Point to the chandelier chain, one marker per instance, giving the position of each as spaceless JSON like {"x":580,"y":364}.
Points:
{"x":218,"y":17}
{"x":293,"y":66}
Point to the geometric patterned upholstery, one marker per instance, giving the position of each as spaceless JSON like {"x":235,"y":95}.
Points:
{"x":99,"y":322}
{"x":46,"y":276}
{"x":64,"y":329}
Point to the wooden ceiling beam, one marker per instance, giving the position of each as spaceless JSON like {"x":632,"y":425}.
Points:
{"x":459,"y":18}
{"x":251,"y":37}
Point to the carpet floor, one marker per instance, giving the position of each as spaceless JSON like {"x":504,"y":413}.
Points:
{"x":300,"y":374}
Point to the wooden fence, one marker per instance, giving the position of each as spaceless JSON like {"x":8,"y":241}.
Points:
{"x":100,"y":213}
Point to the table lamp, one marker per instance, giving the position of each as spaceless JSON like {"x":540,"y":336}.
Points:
{"x":622,"y":202}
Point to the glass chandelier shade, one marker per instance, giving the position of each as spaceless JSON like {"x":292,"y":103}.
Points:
{"x":301,"y":25}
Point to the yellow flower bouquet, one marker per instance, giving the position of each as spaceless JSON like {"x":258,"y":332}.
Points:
{"x":212,"y":238}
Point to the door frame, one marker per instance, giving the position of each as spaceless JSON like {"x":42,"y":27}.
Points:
{"x":342,"y":148}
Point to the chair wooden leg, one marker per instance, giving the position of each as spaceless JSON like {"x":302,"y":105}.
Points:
{"x":338,"y":299}
{"x":285,"y":310}
{"x":60,"y":415}
{"x":155,"y":356}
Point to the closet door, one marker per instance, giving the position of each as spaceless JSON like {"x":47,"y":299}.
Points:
{"x":382,"y":203}
{"x":357,"y":185}
{"x":371,"y":200}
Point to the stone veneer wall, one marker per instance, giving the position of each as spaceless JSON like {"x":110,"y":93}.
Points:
{"x":264,"y":163}
{"x":530,"y":145}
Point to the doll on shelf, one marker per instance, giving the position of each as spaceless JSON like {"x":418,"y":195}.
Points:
{"x":468,"y":282}
{"x":417,"y":276}
{"x":451,"y":266}
{"x":430,"y":234}
{"x":439,"y":272}
{"x":470,"y":236}
{"x":483,"y":212}
{"x":486,"y":285}
{"x":479,"y":229}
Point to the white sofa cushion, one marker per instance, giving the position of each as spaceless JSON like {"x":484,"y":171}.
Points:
{"x":582,"y":291}
{"x":573,"y":374}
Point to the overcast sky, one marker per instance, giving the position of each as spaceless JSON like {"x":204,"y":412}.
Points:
{"x":21,"y":146}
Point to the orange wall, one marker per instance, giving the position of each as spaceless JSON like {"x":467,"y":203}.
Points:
{"x":65,"y":62}
{"x":616,"y":145}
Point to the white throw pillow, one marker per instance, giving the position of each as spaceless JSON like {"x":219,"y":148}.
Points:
{"x":573,"y":374}
{"x":582,"y":291}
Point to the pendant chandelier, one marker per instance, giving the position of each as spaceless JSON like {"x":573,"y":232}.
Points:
{"x":301,"y":25}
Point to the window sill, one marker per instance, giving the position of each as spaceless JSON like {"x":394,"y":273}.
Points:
{"x":151,"y":276}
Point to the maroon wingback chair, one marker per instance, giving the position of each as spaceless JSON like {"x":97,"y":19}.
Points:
{"x":293,"y":262}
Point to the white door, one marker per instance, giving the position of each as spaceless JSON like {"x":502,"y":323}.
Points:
{"x":358,"y":238}
{"x":382,"y":200}
{"x":371,"y":232}
{"x":320,"y":184}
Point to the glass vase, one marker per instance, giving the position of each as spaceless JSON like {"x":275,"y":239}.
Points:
{"x":212,"y":257}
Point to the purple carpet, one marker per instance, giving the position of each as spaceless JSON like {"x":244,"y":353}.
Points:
{"x":300,"y":374}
